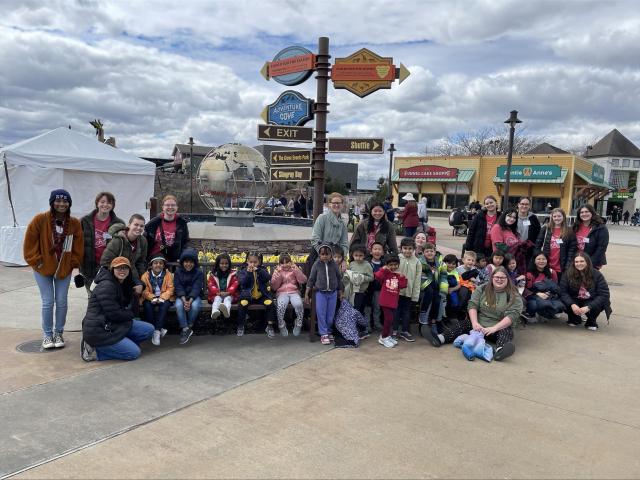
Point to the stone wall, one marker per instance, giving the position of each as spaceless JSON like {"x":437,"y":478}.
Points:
{"x":178,"y":184}
{"x":267,"y":247}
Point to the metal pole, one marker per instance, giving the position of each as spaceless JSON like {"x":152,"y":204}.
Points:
{"x":191,"y":174}
{"x":391,"y":149}
{"x":513,"y":119}
{"x":320,"y":109}
{"x":455,"y":192}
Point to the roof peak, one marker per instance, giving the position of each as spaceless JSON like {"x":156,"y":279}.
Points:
{"x":614,"y":144}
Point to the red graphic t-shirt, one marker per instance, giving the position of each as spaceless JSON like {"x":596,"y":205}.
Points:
{"x":169,"y":235}
{"x":582,"y":236}
{"x":554,"y":249}
{"x":491,"y":219}
{"x":100,"y":227}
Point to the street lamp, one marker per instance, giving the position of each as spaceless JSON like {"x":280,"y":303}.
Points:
{"x":391,"y":149}
{"x":512,"y":121}
{"x":191,"y":174}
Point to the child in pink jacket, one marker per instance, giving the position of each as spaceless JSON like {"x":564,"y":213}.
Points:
{"x":285,"y":282}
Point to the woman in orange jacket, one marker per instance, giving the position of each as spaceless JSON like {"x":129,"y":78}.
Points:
{"x":53,"y":247}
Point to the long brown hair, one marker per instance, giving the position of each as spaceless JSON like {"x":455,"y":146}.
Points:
{"x":579,"y":278}
{"x":565,"y":230}
{"x":490,"y":291}
{"x":595,"y":218}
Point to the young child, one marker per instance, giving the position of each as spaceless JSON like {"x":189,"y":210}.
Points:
{"x":391,"y":282}
{"x":481,"y":265}
{"x":411,"y":268}
{"x":157,"y":296}
{"x":222,"y":287}
{"x":326,"y":280}
{"x":338,"y":257}
{"x":453,"y":280}
{"x":512,"y":267}
{"x":430,"y":286}
{"x":468,"y":279}
{"x":188,"y":282}
{"x":286,"y":281}
{"x":356,"y":281}
{"x":373,"y":293}
{"x":497,"y":259}
{"x":254,"y":281}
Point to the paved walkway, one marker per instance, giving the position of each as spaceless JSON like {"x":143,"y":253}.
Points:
{"x":565,"y":406}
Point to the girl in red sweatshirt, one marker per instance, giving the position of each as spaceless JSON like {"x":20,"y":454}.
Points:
{"x":391,"y":283}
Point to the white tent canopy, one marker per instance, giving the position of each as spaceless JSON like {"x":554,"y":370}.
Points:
{"x":62,"y":158}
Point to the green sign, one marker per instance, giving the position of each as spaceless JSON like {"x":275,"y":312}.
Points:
{"x":534,"y":172}
{"x":597,"y":173}
{"x":622,"y":195}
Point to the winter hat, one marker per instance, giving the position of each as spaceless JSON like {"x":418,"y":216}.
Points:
{"x":157,"y":257}
{"x":59,"y":194}
{"x":118,"y":261}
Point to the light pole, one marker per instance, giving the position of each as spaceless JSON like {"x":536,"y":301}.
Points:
{"x":455,"y":192}
{"x":391,"y":149}
{"x":191,"y":174}
{"x":512,"y":121}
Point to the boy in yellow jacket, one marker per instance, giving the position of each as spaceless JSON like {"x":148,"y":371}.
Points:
{"x":157,"y":296}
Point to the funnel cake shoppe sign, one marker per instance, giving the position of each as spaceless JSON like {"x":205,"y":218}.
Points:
{"x":428,"y":171}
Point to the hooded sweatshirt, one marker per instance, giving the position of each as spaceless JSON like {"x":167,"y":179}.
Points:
{"x":188,"y":284}
{"x":287,"y":281}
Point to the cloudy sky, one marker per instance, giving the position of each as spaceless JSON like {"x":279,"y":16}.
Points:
{"x":157,"y":72}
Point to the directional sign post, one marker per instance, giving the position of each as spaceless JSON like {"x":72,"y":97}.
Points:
{"x":356,"y":145}
{"x":275,"y":133}
{"x":290,"y":174}
{"x":291,"y":157}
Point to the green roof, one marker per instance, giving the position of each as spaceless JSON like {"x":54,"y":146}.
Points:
{"x":591,"y":181}
{"x":560,"y":179}
{"x":463,"y":176}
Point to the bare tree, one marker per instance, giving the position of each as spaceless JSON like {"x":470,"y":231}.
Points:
{"x":580,"y":148}
{"x":487,"y":141}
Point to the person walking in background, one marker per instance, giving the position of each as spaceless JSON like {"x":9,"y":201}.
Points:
{"x":389,"y":211}
{"x":53,"y":246}
{"x":423,"y":217}
{"x":625,"y":217}
{"x":95,"y":229}
{"x":409,"y":216}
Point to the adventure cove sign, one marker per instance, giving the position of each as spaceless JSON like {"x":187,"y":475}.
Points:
{"x":545,"y":172}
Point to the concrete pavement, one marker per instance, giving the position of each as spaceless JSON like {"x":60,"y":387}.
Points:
{"x":564,"y":406}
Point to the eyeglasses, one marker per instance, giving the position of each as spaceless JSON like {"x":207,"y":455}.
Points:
{"x":500,"y":278}
{"x":336,"y":203}
{"x":121,"y":267}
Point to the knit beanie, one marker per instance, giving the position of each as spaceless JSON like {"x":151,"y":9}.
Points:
{"x":157,"y":257}
{"x":59,"y":194}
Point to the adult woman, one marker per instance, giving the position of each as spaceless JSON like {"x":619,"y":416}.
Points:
{"x":109,"y":329}
{"x":542,"y":293}
{"x":95,"y":228}
{"x":592,"y":235}
{"x":329,"y":228}
{"x":528,"y":226}
{"x":53,"y":247}
{"x":479,"y":234}
{"x":557,"y":241}
{"x":409,"y":216}
{"x":129,"y":242}
{"x":376,"y":228}
{"x":585,"y":292}
{"x":504,"y":235}
{"x":167,"y":234}
{"x":493,"y":309}
{"x":423,"y":216}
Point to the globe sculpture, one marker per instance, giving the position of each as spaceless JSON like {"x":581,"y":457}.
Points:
{"x":233,"y":181}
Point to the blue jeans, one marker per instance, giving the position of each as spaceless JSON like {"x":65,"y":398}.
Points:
{"x":155,"y":314}
{"x":53,"y":290}
{"x":192,"y":314}
{"x":326,"y":311}
{"x":127,"y":348}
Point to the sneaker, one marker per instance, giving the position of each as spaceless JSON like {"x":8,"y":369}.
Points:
{"x":215,"y":313}
{"x":407,"y":337}
{"x":282,"y":328}
{"x":58,"y":341}
{"x":185,"y":335}
{"x":324,"y":340}
{"x":163,"y":332}
{"x":365,"y":334}
{"x":47,"y":343}
{"x":386,"y":342}
{"x":156,"y":338}
{"x":271,"y":333}
{"x":87,"y":352}
{"x":240,"y":331}
{"x":591,"y":327}
{"x":297,"y":329}
{"x":528,"y":317}
{"x":504,"y":351}
{"x":394,"y":340}
{"x":331,"y":337}
{"x":573,"y":324}
{"x":224,"y":310}
{"x":431,"y":337}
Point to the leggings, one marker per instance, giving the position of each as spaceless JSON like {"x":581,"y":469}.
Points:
{"x":387,"y":313}
{"x":243,"y":307}
{"x":451,"y":332}
{"x":296,"y":303}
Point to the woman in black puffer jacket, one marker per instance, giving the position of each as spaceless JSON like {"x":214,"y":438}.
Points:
{"x":109,"y":329}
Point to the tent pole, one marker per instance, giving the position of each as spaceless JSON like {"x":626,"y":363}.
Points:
{"x":6,"y":173}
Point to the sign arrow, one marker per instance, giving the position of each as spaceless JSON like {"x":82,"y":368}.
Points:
{"x":264,"y":71}
{"x":402,"y":73}
{"x":265,"y":114}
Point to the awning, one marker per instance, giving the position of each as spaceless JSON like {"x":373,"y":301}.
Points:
{"x":560,"y":179}
{"x":463,"y":176}
{"x":591,"y":181}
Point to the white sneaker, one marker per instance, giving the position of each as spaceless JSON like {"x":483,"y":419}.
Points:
{"x":240,"y":331}
{"x":156,"y":338}
{"x":58,"y":341}
{"x":297,"y":329}
{"x":163,"y":332}
{"x":224,"y":310}
{"x":386,"y":342}
{"x":215,"y":313}
{"x":282,"y":328}
{"x":47,"y":343}
{"x":393,"y":340}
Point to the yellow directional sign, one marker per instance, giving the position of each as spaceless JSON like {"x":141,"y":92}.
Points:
{"x":291,"y":174}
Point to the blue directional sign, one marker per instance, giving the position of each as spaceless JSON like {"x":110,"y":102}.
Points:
{"x":291,"y":108}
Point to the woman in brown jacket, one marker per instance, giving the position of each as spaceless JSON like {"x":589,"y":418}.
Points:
{"x":53,"y":247}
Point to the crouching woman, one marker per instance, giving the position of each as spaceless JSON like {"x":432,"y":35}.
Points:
{"x":109,"y":329}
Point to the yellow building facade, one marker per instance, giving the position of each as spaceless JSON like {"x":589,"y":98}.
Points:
{"x":562,"y":180}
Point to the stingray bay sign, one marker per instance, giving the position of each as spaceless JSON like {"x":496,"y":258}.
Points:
{"x":291,"y":108}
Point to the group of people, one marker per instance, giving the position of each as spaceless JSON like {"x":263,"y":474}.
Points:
{"x":511,"y":268}
{"x":617,"y":215}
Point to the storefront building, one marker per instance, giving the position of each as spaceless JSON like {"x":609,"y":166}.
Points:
{"x":562,"y":180}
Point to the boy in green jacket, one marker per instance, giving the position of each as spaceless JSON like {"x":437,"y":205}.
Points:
{"x":411,"y":268}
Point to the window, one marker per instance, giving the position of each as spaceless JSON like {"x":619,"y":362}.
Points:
{"x":434,"y":200}
{"x":460,"y":200}
{"x":539,"y":204}
{"x":636,"y":164}
{"x":625,"y":162}
{"x":615,"y":162}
